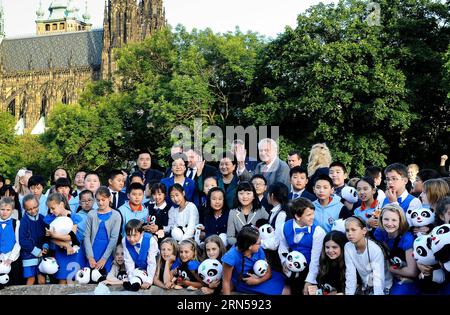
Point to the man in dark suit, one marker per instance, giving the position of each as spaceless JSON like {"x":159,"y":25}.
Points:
{"x":299,"y":179}
{"x":272,"y":168}
{"x":144,"y":162}
{"x":197,"y":169}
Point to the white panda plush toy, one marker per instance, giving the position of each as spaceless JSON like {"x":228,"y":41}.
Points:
{"x":424,"y":255}
{"x":440,"y":245}
{"x":260,"y":267}
{"x":136,"y":280}
{"x":349,"y":194}
{"x":4,"y":279}
{"x":420,"y":217}
{"x":295,"y":263}
{"x":210,"y":270}
{"x":339,"y":225}
{"x":48,"y":266}
{"x":83,"y":276}
{"x":4,"y":271}
{"x":268,"y":238}
{"x":177,"y":234}
{"x":62,"y":225}
{"x":86,"y":275}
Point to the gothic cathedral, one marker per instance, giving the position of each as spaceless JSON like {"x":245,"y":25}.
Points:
{"x":55,"y":65}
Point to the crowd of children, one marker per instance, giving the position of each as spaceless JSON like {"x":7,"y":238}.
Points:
{"x":322,"y":234}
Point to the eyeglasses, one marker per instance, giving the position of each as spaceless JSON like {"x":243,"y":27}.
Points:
{"x":392,"y":179}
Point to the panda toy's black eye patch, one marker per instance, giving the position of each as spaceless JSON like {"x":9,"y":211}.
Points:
{"x":297,"y":265}
{"x":442,"y":230}
{"x":426,"y":214}
{"x":201,"y":276}
{"x":421,"y":251}
{"x":212,"y":272}
{"x":415,"y":214}
{"x":289,"y":258}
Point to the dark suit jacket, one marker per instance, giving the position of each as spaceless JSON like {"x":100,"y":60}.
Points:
{"x":305,"y":194}
{"x":278,"y":172}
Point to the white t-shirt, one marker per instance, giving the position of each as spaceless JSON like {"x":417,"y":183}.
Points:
{"x":370,"y":265}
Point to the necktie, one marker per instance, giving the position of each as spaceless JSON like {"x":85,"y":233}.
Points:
{"x":138,"y":245}
{"x":300,"y":230}
{"x":295,"y":196}
{"x":114,"y":199}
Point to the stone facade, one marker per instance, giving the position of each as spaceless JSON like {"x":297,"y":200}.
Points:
{"x":38,"y":72}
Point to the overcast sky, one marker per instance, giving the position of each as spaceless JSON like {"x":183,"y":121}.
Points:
{"x":266,"y":17}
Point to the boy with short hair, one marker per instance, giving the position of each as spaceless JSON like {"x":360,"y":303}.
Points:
{"x":328,"y":206}
{"x":9,"y":240}
{"x":140,"y":250}
{"x":36,"y":184}
{"x":64,"y":187}
{"x":396,"y":193}
{"x":87,"y":201}
{"x":338,"y":173}
{"x":32,"y":240}
{"x":302,"y":234}
{"x":116,"y":182}
{"x":299,"y":179}
{"x":134,"y":207}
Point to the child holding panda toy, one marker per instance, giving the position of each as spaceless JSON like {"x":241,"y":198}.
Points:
{"x":215,"y":250}
{"x":393,"y":233}
{"x":184,"y":269}
{"x":239,"y":263}
{"x":302,"y":235}
{"x":140,"y":251}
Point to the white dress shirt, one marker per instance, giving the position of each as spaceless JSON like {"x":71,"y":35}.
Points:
{"x":151,"y":258}
{"x":316,"y":250}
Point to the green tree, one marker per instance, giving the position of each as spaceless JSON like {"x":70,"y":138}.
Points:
{"x":82,"y":136}
{"x":332,"y":79}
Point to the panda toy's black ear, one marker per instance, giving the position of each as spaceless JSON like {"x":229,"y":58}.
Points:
{"x":409,"y":211}
{"x":285,"y":254}
{"x":431,"y":210}
{"x":215,"y":264}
